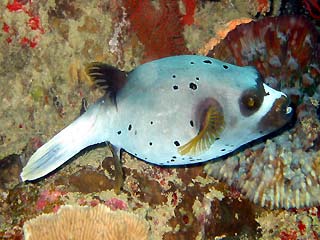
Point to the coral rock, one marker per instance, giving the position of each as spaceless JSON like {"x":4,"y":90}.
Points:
{"x":273,"y":176}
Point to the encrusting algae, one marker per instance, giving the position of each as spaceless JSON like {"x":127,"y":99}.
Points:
{"x":86,"y":223}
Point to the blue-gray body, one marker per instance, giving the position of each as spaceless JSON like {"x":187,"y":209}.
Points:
{"x":157,"y":112}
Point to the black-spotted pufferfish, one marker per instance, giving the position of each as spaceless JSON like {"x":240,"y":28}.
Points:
{"x":173,"y":111}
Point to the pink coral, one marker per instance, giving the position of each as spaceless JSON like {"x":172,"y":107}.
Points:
{"x":48,"y":198}
{"x":116,"y":204}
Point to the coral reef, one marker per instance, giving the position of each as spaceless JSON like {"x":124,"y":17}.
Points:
{"x":283,"y":172}
{"x":284,"y":49}
{"x":44,"y":48}
{"x":74,"y":222}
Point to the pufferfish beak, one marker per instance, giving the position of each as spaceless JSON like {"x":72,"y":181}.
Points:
{"x":278,"y":115}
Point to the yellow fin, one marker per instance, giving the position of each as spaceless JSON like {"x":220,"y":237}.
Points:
{"x":211,"y":127}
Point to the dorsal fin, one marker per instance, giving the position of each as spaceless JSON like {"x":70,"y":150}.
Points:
{"x":107,"y":77}
{"x":212,"y":124}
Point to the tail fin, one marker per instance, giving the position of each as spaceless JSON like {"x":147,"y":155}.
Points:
{"x":83,"y":132}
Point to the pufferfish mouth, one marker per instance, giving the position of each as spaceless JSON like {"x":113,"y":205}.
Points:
{"x":279,"y":114}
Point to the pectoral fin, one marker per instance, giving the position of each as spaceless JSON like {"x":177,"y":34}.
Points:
{"x":212,"y":124}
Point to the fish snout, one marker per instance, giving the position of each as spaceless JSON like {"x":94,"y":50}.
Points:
{"x":279,"y":114}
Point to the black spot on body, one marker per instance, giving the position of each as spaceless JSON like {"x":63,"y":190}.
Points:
{"x":174,"y":157}
{"x":172,"y":160}
{"x":175,"y":87}
{"x":129,"y":127}
{"x":150,"y":143}
{"x":207,"y":61}
{"x":176,"y":143}
{"x":225,"y":66}
{"x":151,"y":122}
{"x":193,"y":86}
{"x":119,"y":132}
{"x":197,"y":78}
{"x":222,"y":150}
{"x":191,"y":123}
{"x":191,"y":62}
{"x":173,"y":76}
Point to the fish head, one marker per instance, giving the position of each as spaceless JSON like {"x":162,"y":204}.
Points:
{"x":235,"y":107}
{"x":262,"y":108}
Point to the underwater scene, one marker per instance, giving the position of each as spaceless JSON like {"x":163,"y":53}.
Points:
{"x":160,"y":119}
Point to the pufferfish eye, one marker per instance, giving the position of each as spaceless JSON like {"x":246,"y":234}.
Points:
{"x":251,"y":99}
